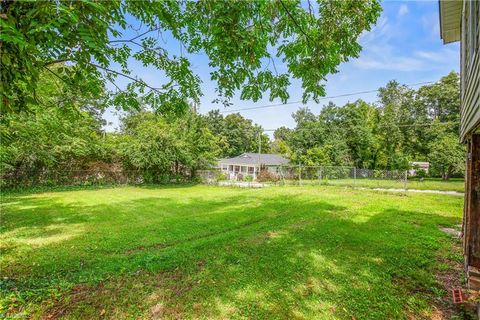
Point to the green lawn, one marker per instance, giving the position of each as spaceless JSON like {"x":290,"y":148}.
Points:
{"x":453,"y":184}
{"x":212,"y":252}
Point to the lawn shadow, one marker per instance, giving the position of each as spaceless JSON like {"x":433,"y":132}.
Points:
{"x":331,"y":268}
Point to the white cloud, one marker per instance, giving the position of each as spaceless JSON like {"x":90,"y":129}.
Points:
{"x":386,"y":58}
{"x":390,"y":63}
{"x":431,"y":25}
{"x":403,"y":10}
{"x":381,"y":31}
{"x":446,"y":55}
{"x":383,"y":49}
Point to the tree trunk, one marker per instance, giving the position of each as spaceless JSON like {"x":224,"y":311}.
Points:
{"x":444,"y":175}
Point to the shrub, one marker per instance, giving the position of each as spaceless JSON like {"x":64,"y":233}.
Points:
{"x":421,"y":173}
{"x":219,"y":176}
{"x":266,"y":175}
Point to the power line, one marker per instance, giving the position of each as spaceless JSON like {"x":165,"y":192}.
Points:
{"x":322,"y":98}
{"x":400,"y":125}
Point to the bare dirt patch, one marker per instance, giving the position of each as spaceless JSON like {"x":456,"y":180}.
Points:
{"x":449,"y":277}
{"x":451,"y":231}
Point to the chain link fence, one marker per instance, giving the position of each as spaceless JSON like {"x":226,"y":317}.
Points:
{"x":53,"y":178}
{"x":282,"y":176}
{"x":313,"y":175}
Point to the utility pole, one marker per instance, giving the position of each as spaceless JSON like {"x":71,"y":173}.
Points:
{"x":259,"y":145}
{"x":259,"y":150}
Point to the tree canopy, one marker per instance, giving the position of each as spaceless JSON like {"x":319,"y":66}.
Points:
{"x":236,"y":134}
{"x":242,"y":40}
{"x":405,"y":125}
{"x":64,"y":135}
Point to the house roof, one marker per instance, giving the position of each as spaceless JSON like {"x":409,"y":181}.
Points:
{"x":450,"y":17}
{"x":253,"y":159}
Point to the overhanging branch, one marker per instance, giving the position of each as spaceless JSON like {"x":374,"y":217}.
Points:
{"x":139,"y":81}
{"x":294,"y":21}
{"x":136,"y":37}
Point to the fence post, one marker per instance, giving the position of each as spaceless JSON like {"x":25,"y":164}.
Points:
{"x":405,"y":180}
{"x":354,"y":176}
{"x":300,"y":174}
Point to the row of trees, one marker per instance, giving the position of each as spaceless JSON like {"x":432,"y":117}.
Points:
{"x":57,"y":58}
{"x":44,"y":145}
{"x":405,"y":125}
{"x":63,"y":140}
{"x":65,"y":135}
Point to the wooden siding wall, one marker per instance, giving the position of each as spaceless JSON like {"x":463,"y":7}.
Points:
{"x":470,"y":69}
{"x":471,"y":218}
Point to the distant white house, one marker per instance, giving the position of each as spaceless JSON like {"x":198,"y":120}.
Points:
{"x":418,"y":165}
{"x":249,"y":164}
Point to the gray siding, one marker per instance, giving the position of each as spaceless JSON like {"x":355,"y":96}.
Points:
{"x":470,"y":69}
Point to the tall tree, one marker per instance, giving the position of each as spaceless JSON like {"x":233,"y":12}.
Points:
{"x":64,"y":133}
{"x":447,"y":156}
{"x":161,"y":148}
{"x":441,"y":100}
{"x":360,"y":121}
{"x":395,"y":125}
{"x":236,"y":134}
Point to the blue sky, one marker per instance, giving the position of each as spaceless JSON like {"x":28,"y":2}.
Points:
{"x":405,"y":45}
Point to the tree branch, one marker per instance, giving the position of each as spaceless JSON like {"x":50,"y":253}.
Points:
{"x":56,"y":61}
{"x":136,"y":37}
{"x":310,"y":9}
{"x":126,"y":76}
{"x":56,"y":75}
{"x":294,"y":21}
{"x":118,"y":88}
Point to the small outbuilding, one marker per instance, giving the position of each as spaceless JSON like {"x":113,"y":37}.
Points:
{"x":418,"y":165}
{"x":250,"y":164}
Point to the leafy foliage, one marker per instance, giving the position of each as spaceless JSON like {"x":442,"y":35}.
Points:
{"x":407,"y":125}
{"x":158,"y":147}
{"x":242,"y":40}
{"x":63,"y":134}
{"x":236,"y":134}
{"x":48,"y":139}
{"x":447,"y":155}
{"x":62,"y":142}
